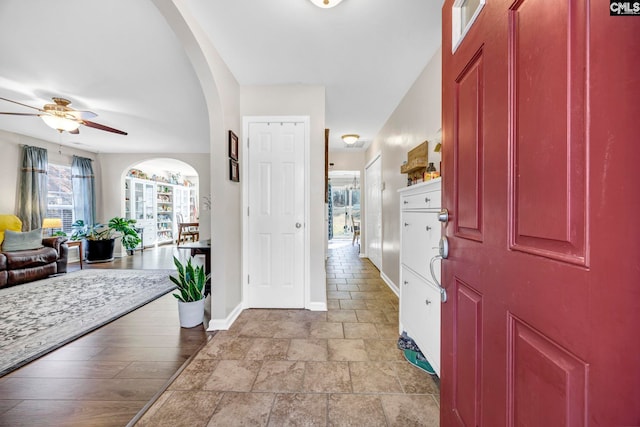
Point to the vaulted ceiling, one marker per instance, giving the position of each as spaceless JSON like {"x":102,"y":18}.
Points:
{"x":121,"y":60}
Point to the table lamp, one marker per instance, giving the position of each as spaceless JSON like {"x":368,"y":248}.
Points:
{"x":51,"y":223}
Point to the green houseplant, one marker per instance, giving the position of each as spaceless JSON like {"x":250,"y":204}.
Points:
{"x":191,"y":282}
{"x":130,"y":237}
{"x":101,"y":237}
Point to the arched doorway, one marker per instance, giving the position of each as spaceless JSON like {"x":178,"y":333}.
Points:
{"x":160,"y":194}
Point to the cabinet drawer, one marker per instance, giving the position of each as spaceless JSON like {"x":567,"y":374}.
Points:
{"x":420,"y":315}
{"x":420,"y":238}
{"x":423,"y":200}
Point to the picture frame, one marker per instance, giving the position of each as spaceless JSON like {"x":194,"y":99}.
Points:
{"x":233,"y":146}
{"x":234,"y":170}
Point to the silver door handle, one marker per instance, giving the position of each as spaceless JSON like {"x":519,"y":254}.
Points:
{"x":443,"y":291}
{"x":298,"y":225}
{"x":443,"y":216}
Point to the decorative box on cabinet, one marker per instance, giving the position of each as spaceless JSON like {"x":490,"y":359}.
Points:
{"x":420,"y":233}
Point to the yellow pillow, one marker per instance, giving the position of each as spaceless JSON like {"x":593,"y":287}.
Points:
{"x":9,"y":222}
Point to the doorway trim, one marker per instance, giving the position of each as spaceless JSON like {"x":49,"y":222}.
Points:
{"x":368,"y":210}
{"x":244,"y":159}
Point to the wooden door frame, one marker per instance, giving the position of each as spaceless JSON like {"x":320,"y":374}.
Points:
{"x":245,"y":153}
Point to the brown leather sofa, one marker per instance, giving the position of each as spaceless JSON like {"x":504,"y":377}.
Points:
{"x":26,"y":266}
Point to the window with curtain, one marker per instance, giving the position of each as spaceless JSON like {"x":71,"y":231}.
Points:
{"x":32,"y":196}
{"x":83,"y":182}
{"x":60,"y":195}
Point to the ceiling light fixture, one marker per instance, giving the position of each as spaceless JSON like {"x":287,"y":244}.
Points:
{"x":350,"y":138}
{"x":60,"y":123}
{"x":325,"y":4}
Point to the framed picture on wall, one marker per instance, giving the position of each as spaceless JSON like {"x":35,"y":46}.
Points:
{"x":233,"y":146}
{"x":234,"y":171}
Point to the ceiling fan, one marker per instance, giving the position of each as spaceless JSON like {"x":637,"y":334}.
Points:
{"x":61,"y":117}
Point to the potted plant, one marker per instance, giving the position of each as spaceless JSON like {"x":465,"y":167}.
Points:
{"x":191,"y":282}
{"x":101,"y":237}
{"x":130,"y":237}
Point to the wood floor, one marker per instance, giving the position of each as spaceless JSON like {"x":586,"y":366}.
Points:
{"x":106,"y":377}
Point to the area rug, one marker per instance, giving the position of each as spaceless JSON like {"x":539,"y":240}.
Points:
{"x":38,"y":317}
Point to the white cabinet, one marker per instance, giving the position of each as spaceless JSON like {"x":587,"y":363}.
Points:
{"x":420,"y":233}
{"x":140,"y":204}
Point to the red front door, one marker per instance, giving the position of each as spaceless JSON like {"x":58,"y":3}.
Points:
{"x":541,"y":124}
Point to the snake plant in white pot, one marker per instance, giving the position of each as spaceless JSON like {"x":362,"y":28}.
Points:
{"x":191,"y":282}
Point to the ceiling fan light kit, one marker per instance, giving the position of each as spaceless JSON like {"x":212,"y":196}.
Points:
{"x":61,"y":117}
{"x":60,"y":123}
{"x":350,"y":138}
{"x":326,"y":4}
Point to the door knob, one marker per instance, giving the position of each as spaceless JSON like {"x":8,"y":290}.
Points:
{"x":443,"y":216}
{"x":298,"y":225}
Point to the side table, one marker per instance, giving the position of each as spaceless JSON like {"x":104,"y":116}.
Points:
{"x":78,"y":244}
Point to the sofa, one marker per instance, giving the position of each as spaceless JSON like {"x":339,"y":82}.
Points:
{"x":21,"y":261}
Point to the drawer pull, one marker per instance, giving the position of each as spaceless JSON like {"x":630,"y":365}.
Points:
{"x":406,"y":202}
{"x":406,"y":224}
{"x":406,"y":282}
{"x":428,"y":228}
{"x":427,"y":302}
{"x":427,"y":200}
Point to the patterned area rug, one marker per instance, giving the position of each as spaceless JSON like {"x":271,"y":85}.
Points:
{"x":38,"y":317}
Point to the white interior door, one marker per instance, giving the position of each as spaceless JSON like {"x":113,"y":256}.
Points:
{"x":373,"y":200}
{"x":276,"y":213}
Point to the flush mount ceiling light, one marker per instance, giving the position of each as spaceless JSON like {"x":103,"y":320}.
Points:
{"x":350,"y":138}
{"x":325,"y":4}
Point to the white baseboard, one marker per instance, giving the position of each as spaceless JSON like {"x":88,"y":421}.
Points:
{"x":225,"y":324}
{"x":363,"y":255}
{"x":390,"y":284}
{"x":317,"y":306}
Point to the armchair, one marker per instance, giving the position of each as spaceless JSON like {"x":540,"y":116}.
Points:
{"x":17,"y":266}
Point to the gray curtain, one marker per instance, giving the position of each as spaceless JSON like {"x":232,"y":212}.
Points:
{"x":84,"y":194}
{"x":32,"y":197}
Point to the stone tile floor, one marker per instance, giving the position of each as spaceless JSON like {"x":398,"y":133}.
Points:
{"x":304,"y":368}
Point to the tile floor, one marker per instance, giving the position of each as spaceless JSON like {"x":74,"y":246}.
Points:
{"x":303,"y":368}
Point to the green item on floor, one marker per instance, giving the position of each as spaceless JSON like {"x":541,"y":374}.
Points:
{"x":410,"y":355}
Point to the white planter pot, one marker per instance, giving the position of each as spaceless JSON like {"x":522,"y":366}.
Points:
{"x":191,"y":313}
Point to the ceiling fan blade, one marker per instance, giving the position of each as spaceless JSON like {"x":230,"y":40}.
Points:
{"x":21,"y":114}
{"x":20,"y":103}
{"x":102,"y":127}
{"x":82,"y":115}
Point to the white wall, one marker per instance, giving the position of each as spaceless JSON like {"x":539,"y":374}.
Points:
{"x":222,"y":96}
{"x":299,"y":100}
{"x":416,"y":119}
{"x":12,"y":159}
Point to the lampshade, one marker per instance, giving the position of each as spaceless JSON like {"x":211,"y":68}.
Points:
{"x":52,"y":223}
{"x":325,"y":4}
{"x":60,"y":123}
{"x":350,"y":138}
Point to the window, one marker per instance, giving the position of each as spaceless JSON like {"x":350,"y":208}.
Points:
{"x":60,"y":195}
{"x":463,"y":16}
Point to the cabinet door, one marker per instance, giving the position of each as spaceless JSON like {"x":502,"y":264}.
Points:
{"x":428,"y":199}
{"x":420,"y":315}
{"x":420,"y":238}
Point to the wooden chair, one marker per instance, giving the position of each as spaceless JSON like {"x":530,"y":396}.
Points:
{"x":187,"y":230}
{"x":356,"y":231}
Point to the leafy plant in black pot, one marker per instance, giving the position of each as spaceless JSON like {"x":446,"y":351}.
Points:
{"x":101,"y":237}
